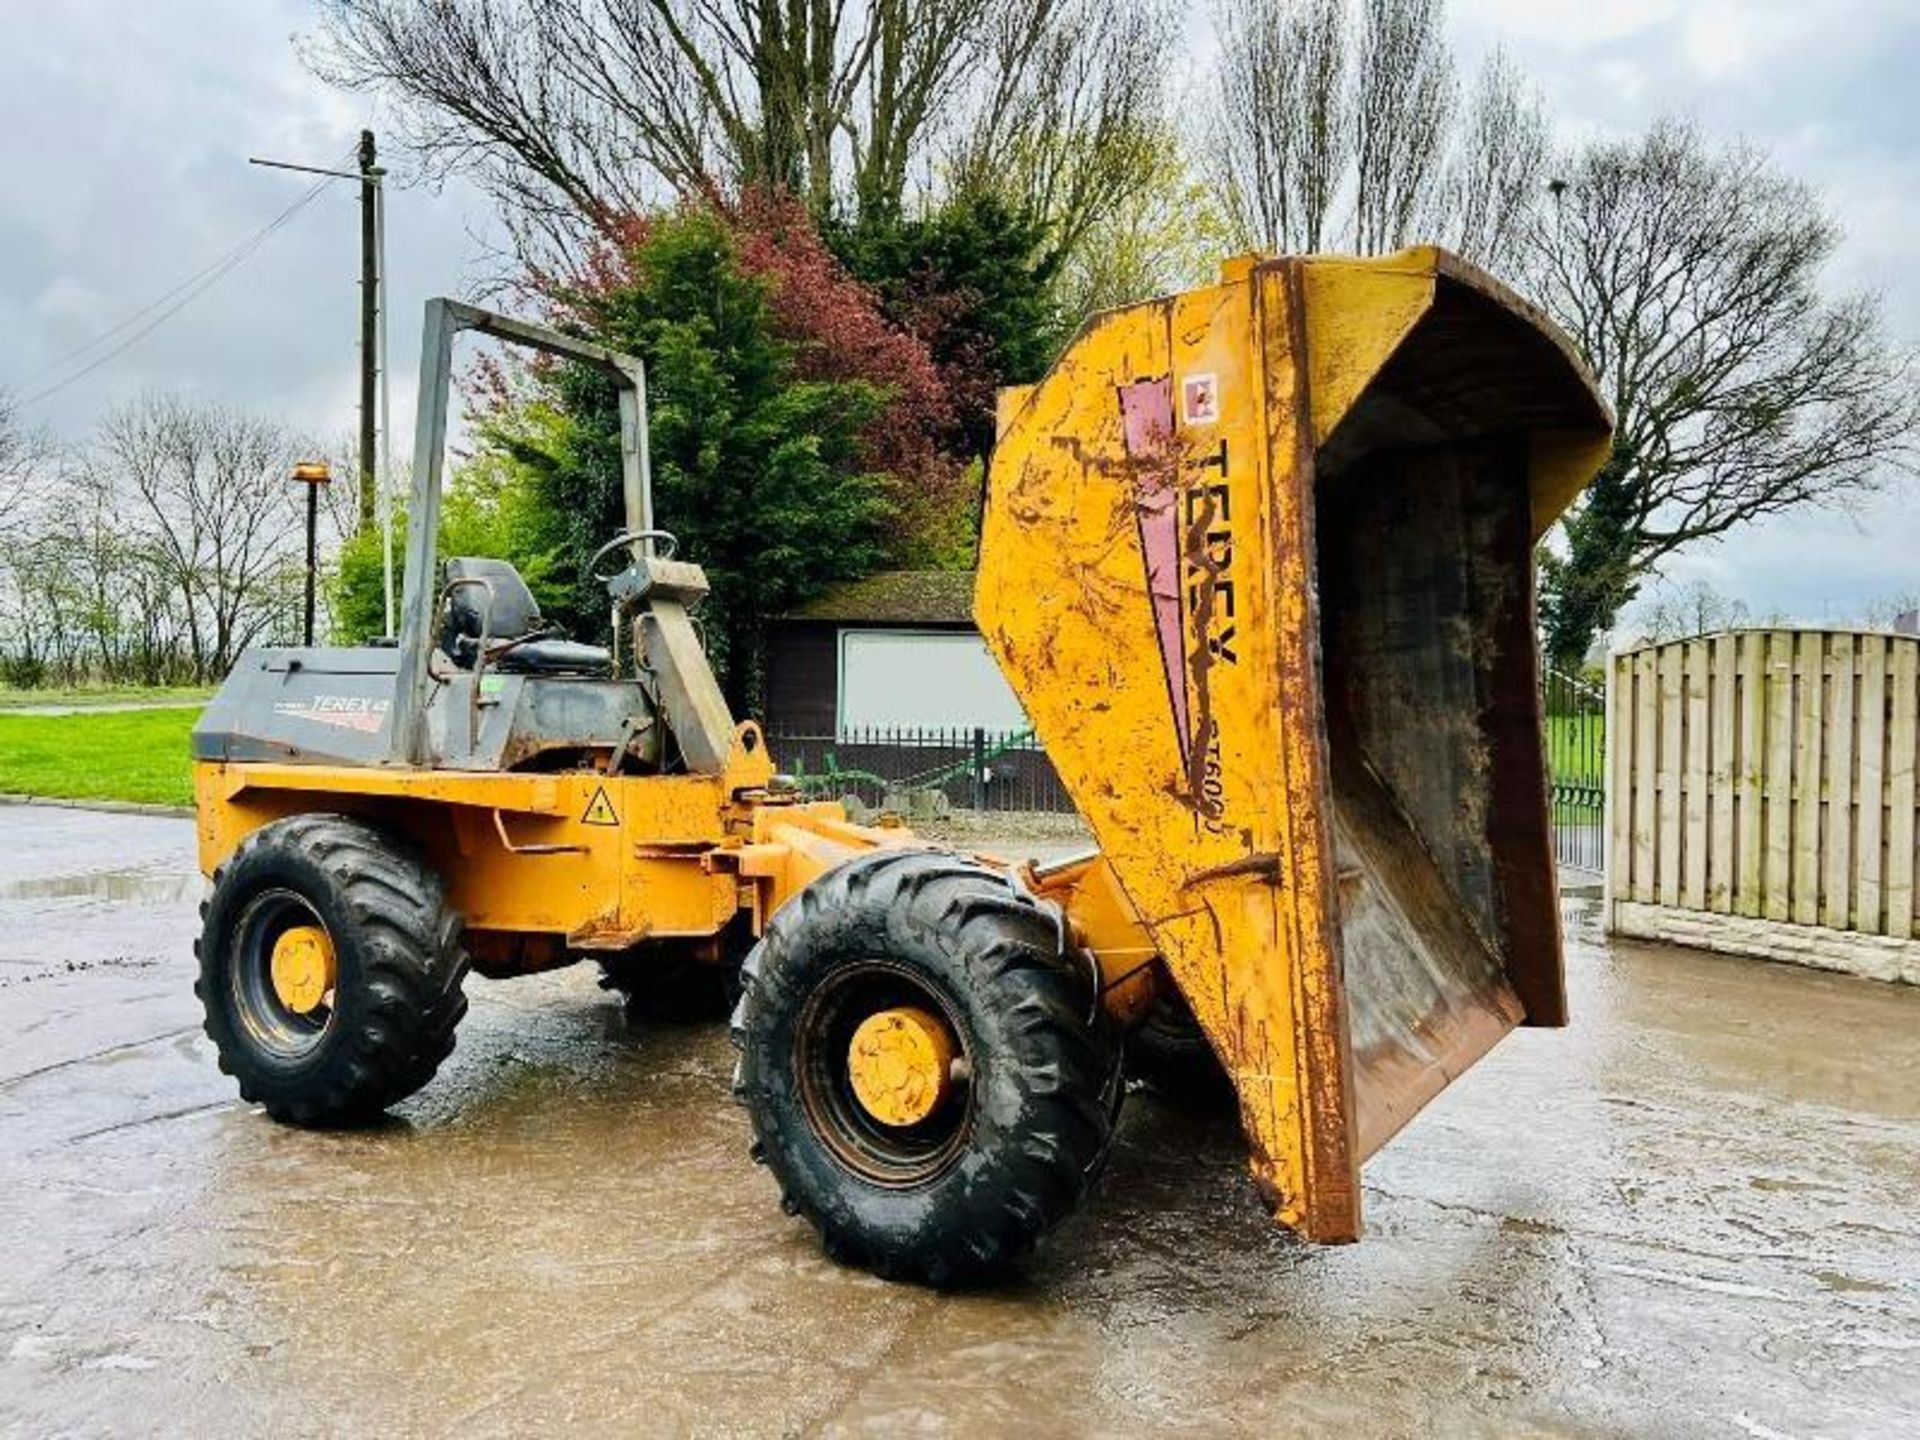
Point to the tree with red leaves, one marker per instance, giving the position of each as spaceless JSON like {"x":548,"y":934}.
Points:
{"x":795,"y":432}
{"x":840,"y":333}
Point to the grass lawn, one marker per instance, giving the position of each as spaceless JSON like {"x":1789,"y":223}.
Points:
{"x":89,"y":695}
{"x":124,"y":755}
{"x":1576,"y":749}
{"x":142,"y":754}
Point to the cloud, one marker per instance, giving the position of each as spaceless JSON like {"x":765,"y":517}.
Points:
{"x":68,"y":302}
{"x":134,"y":176}
{"x":127,"y":172}
{"x":1824,"y":566}
{"x":1828,"y":89}
{"x":1575,"y":23}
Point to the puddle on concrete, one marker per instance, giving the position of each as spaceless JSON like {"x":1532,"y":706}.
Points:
{"x":1853,"y":1284}
{"x":1693,"y":1203}
{"x":144,"y":887}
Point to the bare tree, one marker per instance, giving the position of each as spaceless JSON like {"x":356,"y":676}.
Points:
{"x":923,"y":56}
{"x":1680,"y":614}
{"x":502,"y":89}
{"x":24,"y":454}
{"x":157,"y":553}
{"x":1168,"y":236}
{"x":78,"y":601}
{"x":1068,"y":114}
{"x":107,"y":587}
{"x":1891,"y":612}
{"x":1335,"y":126}
{"x":213,"y":501}
{"x":37,"y":606}
{"x":1405,"y":96}
{"x":575,"y":110}
{"x":1690,"y":277}
{"x":1280,"y":132}
{"x":1498,"y":166}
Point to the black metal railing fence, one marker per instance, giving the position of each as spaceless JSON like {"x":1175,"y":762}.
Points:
{"x":971,"y":767}
{"x":993,"y":770}
{"x":1575,"y":715}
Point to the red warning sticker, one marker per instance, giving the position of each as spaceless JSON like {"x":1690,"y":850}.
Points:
{"x":1200,"y":400}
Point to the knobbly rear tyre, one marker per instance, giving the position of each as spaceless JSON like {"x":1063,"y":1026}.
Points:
{"x":966,"y":1199}
{"x":666,"y":983}
{"x":1168,"y":1053}
{"x":390,"y":1017}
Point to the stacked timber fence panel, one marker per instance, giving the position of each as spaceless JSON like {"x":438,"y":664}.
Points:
{"x":1761,"y":796}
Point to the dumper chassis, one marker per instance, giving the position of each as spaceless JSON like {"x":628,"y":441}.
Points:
{"x":1257,"y":561}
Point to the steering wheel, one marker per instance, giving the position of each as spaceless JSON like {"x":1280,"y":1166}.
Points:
{"x":626,"y":539}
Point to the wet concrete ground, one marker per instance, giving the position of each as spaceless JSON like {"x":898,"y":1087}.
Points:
{"x":1693,"y":1213}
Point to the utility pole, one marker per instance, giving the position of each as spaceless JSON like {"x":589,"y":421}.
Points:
{"x":373,"y":498}
{"x":386,"y":398}
{"x":369,"y":319}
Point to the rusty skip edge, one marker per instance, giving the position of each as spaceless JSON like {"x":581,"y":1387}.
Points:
{"x":1299,"y":873}
{"x":1329,"y":1211}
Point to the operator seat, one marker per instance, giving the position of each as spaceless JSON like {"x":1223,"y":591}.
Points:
{"x":501,"y":610}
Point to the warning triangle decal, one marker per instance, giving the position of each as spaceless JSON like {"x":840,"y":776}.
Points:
{"x":600,"y":810}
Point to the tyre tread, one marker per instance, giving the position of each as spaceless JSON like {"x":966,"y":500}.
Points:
{"x":411,"y":971}
{"x":1004,"y":946}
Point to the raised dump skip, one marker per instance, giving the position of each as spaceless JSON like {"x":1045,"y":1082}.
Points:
{"x":1424,"y":516}
{"x":1257,"y":560}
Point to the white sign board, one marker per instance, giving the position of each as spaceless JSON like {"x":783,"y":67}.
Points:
{"x":923,"y":680}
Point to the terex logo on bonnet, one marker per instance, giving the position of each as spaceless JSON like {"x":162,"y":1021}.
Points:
{"x":344,"y":712}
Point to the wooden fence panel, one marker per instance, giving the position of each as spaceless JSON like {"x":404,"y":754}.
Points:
{"x":1809,"y":669}
{"x":1870,"y":866}
{"x":1618,"y":804}
{"x":1840,"y":723}
{"x":1751,"y":775}
{"x":1765,"y":782}
{"x":1668,"y":797}
{"x":1720,"y":697}
{"x":1776,"y":778}
{"x":1901,"y":739}
{"x":1693,"y":795}
{"x":1646,"y":770}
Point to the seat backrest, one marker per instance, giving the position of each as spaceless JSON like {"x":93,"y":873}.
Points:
{"x":510,"y":612}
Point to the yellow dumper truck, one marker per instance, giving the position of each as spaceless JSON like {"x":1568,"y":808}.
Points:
{"x":1256,"y":559}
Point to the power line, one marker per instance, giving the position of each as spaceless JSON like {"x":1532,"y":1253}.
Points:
{"x":60,"y":362}
{"x":168,"y":304}
{"x":176,"y":300}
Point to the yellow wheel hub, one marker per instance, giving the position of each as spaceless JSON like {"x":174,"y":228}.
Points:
{"x":901,"y":1065}
{"x":303,"y":968}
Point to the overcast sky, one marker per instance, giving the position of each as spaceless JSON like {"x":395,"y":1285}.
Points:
{"x":128,"y":128}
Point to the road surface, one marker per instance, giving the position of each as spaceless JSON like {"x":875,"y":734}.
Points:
{"x":1690,"y":1214}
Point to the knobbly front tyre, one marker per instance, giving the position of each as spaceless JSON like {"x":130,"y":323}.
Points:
{"x":330,"y":970}
{"x":926,"y":1069}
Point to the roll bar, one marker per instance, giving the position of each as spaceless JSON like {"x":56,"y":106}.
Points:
{"x":420,"y":595}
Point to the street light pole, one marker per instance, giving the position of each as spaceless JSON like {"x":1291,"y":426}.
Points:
{"x":313,"y":474}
